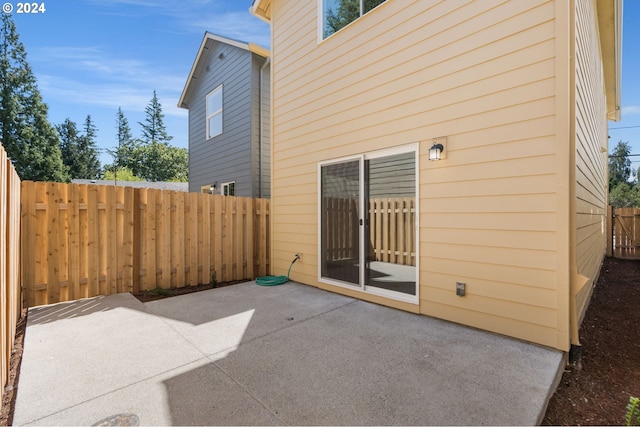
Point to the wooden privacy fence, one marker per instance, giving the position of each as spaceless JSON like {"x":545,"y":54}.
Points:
{"x":391,"y":229}
{"x":80,"y":241}
{"x":10,"y":292}
{"x":625,"y":233}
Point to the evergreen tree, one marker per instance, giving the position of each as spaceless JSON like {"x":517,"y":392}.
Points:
{"x":78,"y":151}
{"x":125,"y":154}
{"x":29,"y":139}
{"x":153,"y":129}
{"x":89,"y":164}
{"x":619,"y":165}
{"x":125,"y":140}
{"x":154,"y":158}
{"x":126,"y":150}
{"x":68,"y":132}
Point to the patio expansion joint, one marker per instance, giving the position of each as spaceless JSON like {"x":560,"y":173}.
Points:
{"x":253,"y":396}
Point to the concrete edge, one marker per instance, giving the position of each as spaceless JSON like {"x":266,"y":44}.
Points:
{"x":552,"y":389}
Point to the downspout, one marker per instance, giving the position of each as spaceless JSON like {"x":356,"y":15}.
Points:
{"x":260,"y":118}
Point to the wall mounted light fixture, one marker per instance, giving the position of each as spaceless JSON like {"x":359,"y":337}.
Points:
{"x":435,"y":151}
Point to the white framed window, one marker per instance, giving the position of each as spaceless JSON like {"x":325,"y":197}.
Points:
{"x":228,"y":188}
{"x":337,"y":14}
{"x":214,"y":112}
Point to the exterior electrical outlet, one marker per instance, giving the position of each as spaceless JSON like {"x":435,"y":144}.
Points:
{"x":461,"y":289}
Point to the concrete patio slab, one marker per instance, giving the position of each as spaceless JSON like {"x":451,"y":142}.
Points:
{"x":289,"y":354}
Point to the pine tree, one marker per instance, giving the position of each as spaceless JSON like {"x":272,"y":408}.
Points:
{"x":126,"y":155}
{"x":153,"y":129}
{"x":619,"y":165}
{"x":68,"y":132}
{"x":28,"y":138}
{"x":89,"y":162}
{"x":125,"y":139}
{"x":156,"y":160}
{"x":79,"y":153}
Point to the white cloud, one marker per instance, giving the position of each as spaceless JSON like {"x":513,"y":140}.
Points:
{"x":109,"y":94}
{"x":630,"y":110}
{"x":114,"y":82}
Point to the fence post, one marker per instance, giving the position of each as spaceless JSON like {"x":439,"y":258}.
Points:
{"x":609,"y":233}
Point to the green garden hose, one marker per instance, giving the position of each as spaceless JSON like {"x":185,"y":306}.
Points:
{"x":276,"y":280}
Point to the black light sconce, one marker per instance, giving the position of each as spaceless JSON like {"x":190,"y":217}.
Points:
{"x":212,"y":188}
{"x":436,"y":152}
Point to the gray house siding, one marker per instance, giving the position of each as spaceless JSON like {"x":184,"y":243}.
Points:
{"x":226,"y":157}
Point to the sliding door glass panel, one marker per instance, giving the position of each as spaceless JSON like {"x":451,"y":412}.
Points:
{"x":391,"y":223}
{"x":340,"y":221}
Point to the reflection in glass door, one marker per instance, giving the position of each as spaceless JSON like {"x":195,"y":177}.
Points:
{"x":390,"y":183}
{"x":368,"y":221}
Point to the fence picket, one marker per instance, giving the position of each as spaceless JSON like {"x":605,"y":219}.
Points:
{"x":204,"y":242}
{"x":53,"y":242}
{"x":73,"y":215}
{"x":192,"y":239}
{"x":217,"y":216}
{"x":92,"y":242}
{"x":163,"y":235}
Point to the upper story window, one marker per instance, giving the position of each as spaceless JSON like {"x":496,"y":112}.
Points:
{"x":337,"y":14}
{"x":214,"y":112}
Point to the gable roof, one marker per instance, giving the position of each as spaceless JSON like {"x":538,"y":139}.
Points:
{"x":207,"y":43}
{"x":261,"y":9}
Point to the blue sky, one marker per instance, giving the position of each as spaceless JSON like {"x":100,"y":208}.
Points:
{"x":91,"y":56}
{"x":628,"y":129}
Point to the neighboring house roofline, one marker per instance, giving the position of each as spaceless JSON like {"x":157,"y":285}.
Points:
{"x":193,"y":74}
{"x":155,"y":185}
{"x":610,"y":29}
{"x":261,"y":9}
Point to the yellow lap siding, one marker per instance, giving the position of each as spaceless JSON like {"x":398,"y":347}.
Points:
{"x":486,"y":78}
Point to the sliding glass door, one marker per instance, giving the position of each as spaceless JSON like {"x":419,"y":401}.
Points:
{"x":368,"y":223}
{"x":340,"y":219}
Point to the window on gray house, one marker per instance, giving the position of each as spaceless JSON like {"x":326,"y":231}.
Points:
{"x":337,"y":14}
{"x":214,"y":112}
{"x":228,"y":188}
